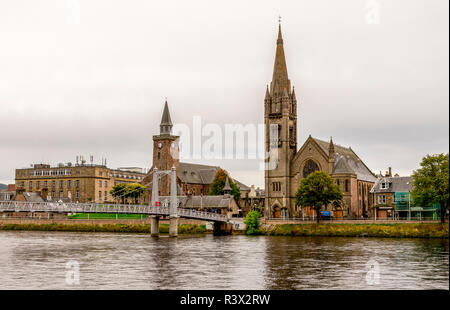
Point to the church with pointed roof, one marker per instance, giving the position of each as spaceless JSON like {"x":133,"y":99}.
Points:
{"x":286,"y":166}
{"x":192,"y":179}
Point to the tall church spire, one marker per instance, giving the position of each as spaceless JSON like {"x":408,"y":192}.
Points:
{"x":165,"y":128}
{"x":280,"y":79}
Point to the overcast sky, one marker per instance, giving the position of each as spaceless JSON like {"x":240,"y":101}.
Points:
{"x":90,"y":76}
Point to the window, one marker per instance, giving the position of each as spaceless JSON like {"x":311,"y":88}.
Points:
{"x":22,"y":184}
{"x":69,"y":183}
{"x":382,"y":199}
{"x":30,"y":185}
{"x":346,"y":185}
{"x":276,"y":186}
{"x":99,"y":183}
{"x":45,"y":183}
{"x":38,"y":184}
{"x":384,"y":185}
{"x":310,"y":167}
{"x":274,"y":135}
{"x":106,"y":195}
{"x":61,"y":183}
{"x":77,"y":183}
{"x":101,"y":173}
{"x":100,"y":195}
{"x":53,"y":183}
{"x":159,"y":155}
{"x":31,"y":173}
{"x":53,"y":194}
{"x":106,"y":184}
{"x":77,"y":194}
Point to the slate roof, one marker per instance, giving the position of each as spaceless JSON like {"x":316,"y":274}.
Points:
{"x":346,"y":161}
{"x":197,"y":174}
{"x":32,"y":197}
{"x":209,"y":202}
{"x":202,"y":174}
{"x":396,"y":184}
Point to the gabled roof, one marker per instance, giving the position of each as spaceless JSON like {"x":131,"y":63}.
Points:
{"x":32,"y":197}
{"x":197,"y":174}
{"x":396,"y":185}
{"x":209,"y":202}
{"x":203,"y":174}
{"x":346,"y":161}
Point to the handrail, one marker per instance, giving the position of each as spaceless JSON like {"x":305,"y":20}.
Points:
{"x":72,"y":207}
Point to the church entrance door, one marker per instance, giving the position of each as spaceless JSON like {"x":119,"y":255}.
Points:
{"x":276,"y":212}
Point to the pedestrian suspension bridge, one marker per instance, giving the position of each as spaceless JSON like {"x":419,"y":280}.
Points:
{"x":170,"y":209}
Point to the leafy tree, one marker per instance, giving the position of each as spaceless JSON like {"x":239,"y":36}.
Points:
{"x":119,"y":191}
{"x":135,"y":191}
{"x":431,"y":182}
{"x":219,"y":183}
{"x":252,"y":222}
{"x":123,"y":191}
{"x":318,"y":190}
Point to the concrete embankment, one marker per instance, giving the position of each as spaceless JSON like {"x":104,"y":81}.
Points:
{"x":268,"y":228}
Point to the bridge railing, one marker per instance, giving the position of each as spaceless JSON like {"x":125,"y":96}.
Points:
{"x":202,"y":215}
{"x":71,"y":207}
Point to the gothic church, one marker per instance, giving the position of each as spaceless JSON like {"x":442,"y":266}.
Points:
{"x":284,"y":172}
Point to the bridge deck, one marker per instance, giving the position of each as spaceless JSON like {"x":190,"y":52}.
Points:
{"x":23,"y":206}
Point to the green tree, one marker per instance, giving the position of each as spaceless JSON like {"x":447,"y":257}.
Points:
{"x":318,"y":190}
{"x":124,"y":191}
{"x":135,"y":191}
{"x":219,"y":183}
{"x":431,"y":183}
{"x":119,"y":192}
{"x":252,"y":222}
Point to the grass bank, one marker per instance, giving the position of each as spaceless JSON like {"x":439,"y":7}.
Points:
{"x":103,"y":216}
{"x":421,"y":230}
{"x":120,"y":228}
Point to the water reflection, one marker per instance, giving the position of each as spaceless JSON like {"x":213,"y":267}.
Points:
{"x":37,"y":260}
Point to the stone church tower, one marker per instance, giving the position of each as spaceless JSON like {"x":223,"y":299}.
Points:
{"x":165,"y":151}
{"x":280,"y":118}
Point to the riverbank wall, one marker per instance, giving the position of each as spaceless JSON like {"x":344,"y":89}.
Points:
{"x":268,"y":228}
{"x":381,"y":230}
{"x":185,"y":226}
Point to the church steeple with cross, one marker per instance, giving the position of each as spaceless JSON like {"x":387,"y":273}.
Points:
{"x":280,"y":117}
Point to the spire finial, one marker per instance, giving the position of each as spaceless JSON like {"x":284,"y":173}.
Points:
{"x":279,"y":19}
{"x":165,"y":126}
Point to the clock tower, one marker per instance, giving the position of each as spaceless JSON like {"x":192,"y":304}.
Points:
{"x":165,"y":151}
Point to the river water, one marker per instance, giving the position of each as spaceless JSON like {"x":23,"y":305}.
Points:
{"x":55,"y":260}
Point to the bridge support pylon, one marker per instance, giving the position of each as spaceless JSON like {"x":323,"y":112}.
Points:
{"x":154,"y":226}
{"x":173,"y":227}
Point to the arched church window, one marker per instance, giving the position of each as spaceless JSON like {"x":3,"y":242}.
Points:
{"x":309,"y":168}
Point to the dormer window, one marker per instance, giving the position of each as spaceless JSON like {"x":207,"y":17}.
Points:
{"x":384,"y":185}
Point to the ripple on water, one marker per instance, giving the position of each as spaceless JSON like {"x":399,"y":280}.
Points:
{"x":37,"y":260}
